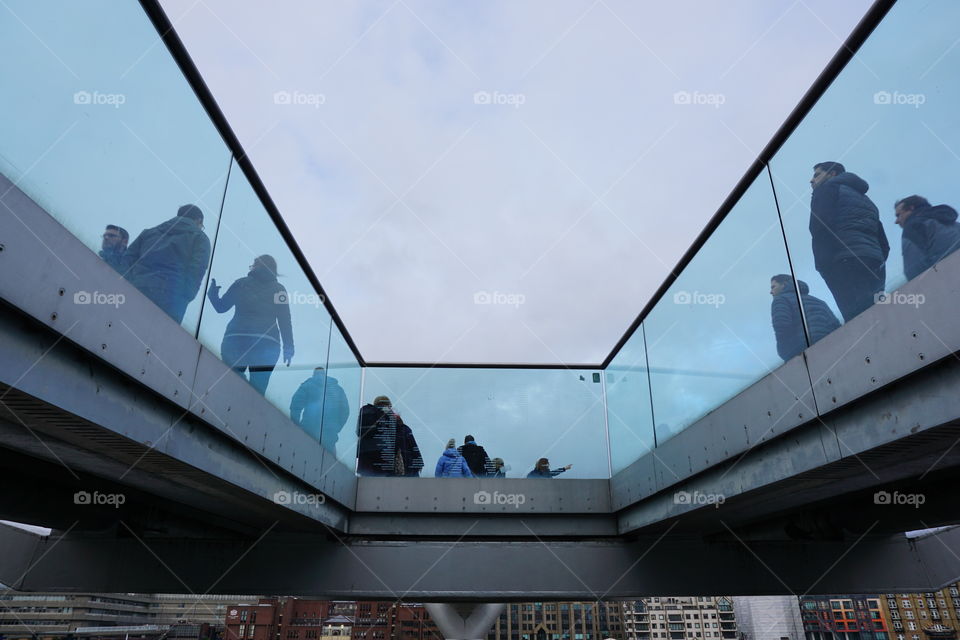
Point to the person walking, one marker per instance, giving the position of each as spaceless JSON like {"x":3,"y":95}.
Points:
{"x":260,"y":327}
{"x":476,"y":457}
{"x":451,"y":464}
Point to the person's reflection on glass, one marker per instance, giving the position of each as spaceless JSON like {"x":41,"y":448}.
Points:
{"x":451,"y":464}
{"x":114,"y":245}
{"x":786,"y":318}
{"x":320,"y":401}
{"x":167,"y":262}
{"x":252,"y":340}
{"x":543,"y":470}
{"x":930,"y":233}
{"x":499,"y":468}
{"x":850,"y":247}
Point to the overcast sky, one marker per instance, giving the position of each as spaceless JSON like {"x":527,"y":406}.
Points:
{"x":503,"y":181}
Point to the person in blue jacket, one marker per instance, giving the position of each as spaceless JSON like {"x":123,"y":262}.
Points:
{"x":451,"y":464}
{"x":930,"y":233}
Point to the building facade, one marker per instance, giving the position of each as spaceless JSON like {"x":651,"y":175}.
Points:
{"x":847,"y":617}
{"x":303,"y":619}
{"x":680,"y":618}
{"x":559,"y":621}
{"x":51,"y":616}
{"x":768,"y":617}
{"x":933,"y":615}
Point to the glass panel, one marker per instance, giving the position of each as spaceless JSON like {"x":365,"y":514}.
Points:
{"x":104,"y":130}
{"x":518,"y":415}
{"x":629,"y":414}
{"x":339,"y":421}
{"x":262,"y":316}
{"x":890,"y":120}
{"x":712,"y":334}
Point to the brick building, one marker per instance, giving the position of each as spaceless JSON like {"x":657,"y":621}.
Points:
{"x":303,"y":619}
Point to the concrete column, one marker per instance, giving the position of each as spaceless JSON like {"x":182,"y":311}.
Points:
{"x":464,"y":620}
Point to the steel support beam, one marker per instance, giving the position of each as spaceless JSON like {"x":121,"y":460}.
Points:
{"x":477,"y":571}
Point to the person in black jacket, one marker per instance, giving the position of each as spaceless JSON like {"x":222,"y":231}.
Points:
{"x":167,"y":262}
{"x":543,"y":470}
{"x":114,"y":245}
{"x":476,"y":457}
{"x":318,"y":402}
{"x":252,"y":341}
{"x":786,"y":319}
{"x":850,"y":247}
{"x":929,"y":233}
{"x":386,"y":445}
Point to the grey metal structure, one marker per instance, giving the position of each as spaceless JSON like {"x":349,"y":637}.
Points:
{"x":122,"y":400}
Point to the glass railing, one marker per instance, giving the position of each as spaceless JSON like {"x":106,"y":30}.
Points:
{"x":112,"y":140}
{"x":541,"y":423}
{"x":106,"y":134}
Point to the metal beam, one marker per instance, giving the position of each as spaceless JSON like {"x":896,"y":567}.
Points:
{"x":474,"y":571}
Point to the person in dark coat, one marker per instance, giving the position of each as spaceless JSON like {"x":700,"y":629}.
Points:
{"x":850,"y":247}
{"x":386,"y":446}
{"x":476,"y":457}
{"x":252,"y":341}
{"x":786,"y":319}
{"x":451,"y":464}
{"x":929,"y":233}
{"x":542,"y":470}
{"x":320,"y":407}
{"x":114,"y":245}
{"x":167,"y":262}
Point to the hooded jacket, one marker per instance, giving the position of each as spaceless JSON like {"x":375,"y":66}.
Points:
{"x":477,"y":458}
{"x":167,"y":263}
{"x":788,"y":325}
{"x":929,"y":235}
{"x":844,"y":223}
{"x":452,"y":465}
{"x":382,"y":434}
{"x":262,"y":310}
{"x":315,"y":403}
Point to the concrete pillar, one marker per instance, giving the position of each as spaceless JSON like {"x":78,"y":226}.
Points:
{"x":464,"y":620}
